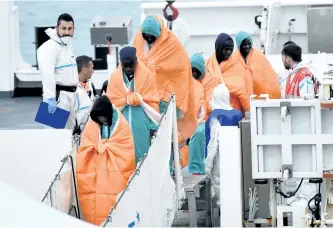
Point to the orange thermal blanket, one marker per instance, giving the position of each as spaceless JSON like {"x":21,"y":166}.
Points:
{"x":144,"y":84}
{"x":232,"y":74}
{"x":169,"y":59}
{"x":265,"y":79}
{"x":102,"y":176}
{"x":199,"y":96}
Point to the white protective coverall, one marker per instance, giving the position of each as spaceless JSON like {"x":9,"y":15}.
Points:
{"x":84,"y":103}
{"x":283,"y":77}
{"x":307,"y":190}
{"x":57,"y":65}
{"x":220,"y":100}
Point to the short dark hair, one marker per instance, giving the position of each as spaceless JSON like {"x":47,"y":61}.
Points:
{"x":82,"y":61}
{"x":288,"y":42}
{"x":293,"y":51}
{"x":65,"y":17}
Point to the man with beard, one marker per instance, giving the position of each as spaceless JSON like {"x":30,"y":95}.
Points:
{"x":300,"y":82}
{"x":85,"y":89}
{"x":283,"y":75}
{"x":57,"y":66}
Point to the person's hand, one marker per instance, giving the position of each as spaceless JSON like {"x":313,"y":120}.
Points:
{"x":180,"y":138}
{"x":102,"y":146}
{"x":133,"y":99}
{"x":52,"y":105}
{"x":184,"y":156}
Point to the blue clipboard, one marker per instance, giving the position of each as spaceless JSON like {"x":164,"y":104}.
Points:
{"x":56,"y":120}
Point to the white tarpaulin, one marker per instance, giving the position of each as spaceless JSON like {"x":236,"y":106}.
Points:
{"x":30,"y":160}
{"x":273,"y":25}
{"x":150,"y":200}
{"x":61,"y":194}
{"x":19,"y":210}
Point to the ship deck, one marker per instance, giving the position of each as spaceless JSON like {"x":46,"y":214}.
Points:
{"x":19,"y":113}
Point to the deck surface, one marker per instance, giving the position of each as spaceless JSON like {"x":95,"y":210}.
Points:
{"x":19,"y":113}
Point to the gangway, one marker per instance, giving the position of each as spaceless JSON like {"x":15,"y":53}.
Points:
{"x":42,"y":166}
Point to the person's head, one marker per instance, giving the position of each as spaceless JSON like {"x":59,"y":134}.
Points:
{"x":85,"y":67}
{"x":244,"y":43}
{"x":198,"y":66}
{"x":224,"y":46}
{"x":288,"y":42}
{"x":102,"y":111}
{"x":291,"y":55}
{"x":65,"y":25}
{"x":221,"y":98}
{"x":128,"y":60}
{"x":151,"y":29}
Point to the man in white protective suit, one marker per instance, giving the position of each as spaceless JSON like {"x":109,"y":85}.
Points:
{"x":222,"y":115}
{"x":85,"y":89}
{"x":57,"y":66}
{"x":300,"y":83}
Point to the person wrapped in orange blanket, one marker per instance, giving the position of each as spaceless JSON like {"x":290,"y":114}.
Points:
{"x":227,"y":69}
{"x":104,"y":162}
{"x":265,"y":79}
{"x":203,"y":86}
{"x":132,"y":89}
{"x":159,"y":49}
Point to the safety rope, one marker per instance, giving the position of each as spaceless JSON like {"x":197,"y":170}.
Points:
{"x":170,"y":13}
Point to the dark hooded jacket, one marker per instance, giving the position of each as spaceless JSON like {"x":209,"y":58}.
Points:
{"x":219,"y":43}
{"x":102,"y":107}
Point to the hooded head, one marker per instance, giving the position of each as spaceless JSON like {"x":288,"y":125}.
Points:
{"x":244,"y":43}
{"x":221,"y":98}
{"x":128,"y":60}
{"x":101,"y":111}
{"x":198,"y":66}
{"x":224,"y":46}
{"x":151,"y":29}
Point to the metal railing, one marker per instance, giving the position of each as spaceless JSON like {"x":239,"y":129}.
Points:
{"x":76,"y":139}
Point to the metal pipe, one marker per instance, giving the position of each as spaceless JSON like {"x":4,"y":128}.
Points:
{"x":263,"y":29}
{"x":176,"y":151}
{"x":326,"y":222}
{"x":75,"y":189}
{"x":291,"y":21}
{"x":272,"y":203}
